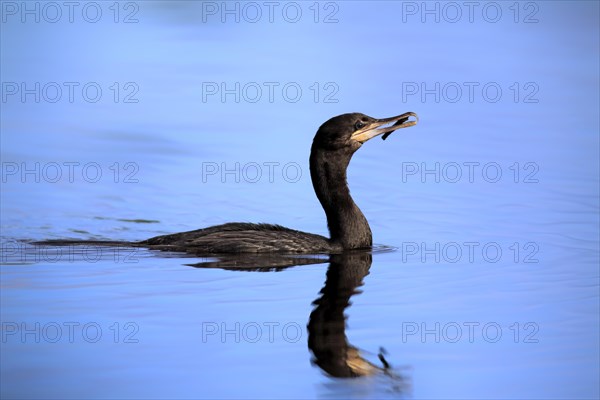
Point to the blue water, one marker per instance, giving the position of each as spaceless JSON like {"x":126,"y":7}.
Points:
{"x":491,"y":202}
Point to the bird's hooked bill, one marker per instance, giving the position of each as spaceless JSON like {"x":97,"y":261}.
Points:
{"x":383,"y":127}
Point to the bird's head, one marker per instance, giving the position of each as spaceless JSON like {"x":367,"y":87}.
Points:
{"x":350,"y":131}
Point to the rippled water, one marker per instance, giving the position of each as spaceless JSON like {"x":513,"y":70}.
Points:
{"x":490,"y":203}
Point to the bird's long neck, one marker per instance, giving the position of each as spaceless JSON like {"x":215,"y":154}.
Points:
{"x":347,"y":224}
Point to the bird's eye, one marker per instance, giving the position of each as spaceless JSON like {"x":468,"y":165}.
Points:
{"x":358,"y":125}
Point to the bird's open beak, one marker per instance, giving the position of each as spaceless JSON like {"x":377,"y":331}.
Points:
{"x":382,"y":126}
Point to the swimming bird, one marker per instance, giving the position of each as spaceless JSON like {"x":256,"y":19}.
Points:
{"x":333,"y":146}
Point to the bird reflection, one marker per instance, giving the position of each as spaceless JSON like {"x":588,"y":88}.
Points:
{"x":327,"y":323}
{"x":259,"y":262}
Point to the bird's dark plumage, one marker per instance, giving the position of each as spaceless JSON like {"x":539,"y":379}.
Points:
{"x":239,"y":237}
{"x":333,"y":146}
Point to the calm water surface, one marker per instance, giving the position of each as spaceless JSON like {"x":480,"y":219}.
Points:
{"x":490,"y":202}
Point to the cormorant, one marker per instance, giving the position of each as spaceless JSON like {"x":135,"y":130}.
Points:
{"x":333,"y":146}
